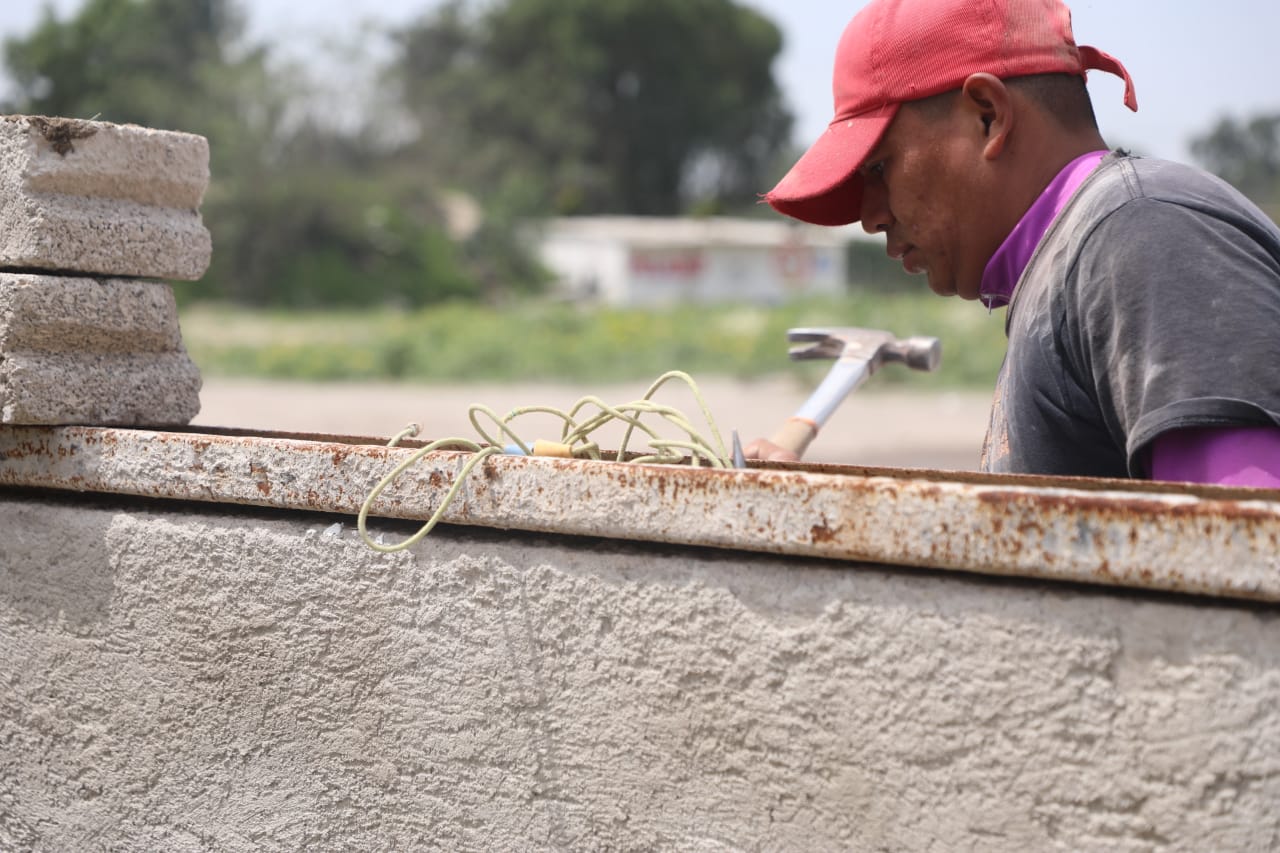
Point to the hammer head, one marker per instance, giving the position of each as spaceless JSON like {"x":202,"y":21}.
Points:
{"x":873,"y":346}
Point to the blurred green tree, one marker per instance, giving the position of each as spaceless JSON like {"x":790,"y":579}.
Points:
{"x":1245,"y":153}
{"x":302,"y":213}
{"x":128,"y":61}
{"x":576,"y":106}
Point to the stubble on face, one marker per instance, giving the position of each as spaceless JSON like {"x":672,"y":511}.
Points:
{"x":931,"y":188}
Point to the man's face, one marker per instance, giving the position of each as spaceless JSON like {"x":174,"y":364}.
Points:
{"x":927,"y":188}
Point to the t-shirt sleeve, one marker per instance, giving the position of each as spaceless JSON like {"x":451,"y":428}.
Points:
{"x":1179,"y":323}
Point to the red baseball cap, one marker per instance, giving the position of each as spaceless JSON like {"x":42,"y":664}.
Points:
{"x":904,"y":50}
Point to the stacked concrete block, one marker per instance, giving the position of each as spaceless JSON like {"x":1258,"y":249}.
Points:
{"x":88,"y":351}
{"x":91,"y":215}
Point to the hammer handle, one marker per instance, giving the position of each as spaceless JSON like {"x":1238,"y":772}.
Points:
{"x":795,"y":435}
{"x":845,"y":375}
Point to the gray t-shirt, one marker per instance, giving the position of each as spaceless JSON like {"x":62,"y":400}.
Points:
{"x":1151,"y":304}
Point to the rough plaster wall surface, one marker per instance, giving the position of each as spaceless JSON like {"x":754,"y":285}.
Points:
{"x":101,"y":198}
{"x":187,"y":680}
{"x":93,"y":351}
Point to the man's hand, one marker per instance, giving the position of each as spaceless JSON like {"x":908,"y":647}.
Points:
{"x":767,"y":451}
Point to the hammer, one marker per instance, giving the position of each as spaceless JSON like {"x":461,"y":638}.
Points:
{"x":858,"y":354}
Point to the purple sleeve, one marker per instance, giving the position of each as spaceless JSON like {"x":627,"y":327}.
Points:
{"x":1228,"y":456}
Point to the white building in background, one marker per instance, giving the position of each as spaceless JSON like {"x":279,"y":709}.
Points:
{"x":628,"y":260}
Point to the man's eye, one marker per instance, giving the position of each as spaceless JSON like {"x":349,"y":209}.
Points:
{"x":876,"y":169}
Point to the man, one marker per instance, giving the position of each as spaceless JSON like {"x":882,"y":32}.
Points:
{"x":1143,"y":296}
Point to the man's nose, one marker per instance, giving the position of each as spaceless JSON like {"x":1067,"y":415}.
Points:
{"x":876,"y":216}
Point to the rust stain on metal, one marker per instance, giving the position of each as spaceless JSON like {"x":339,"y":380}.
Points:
{"x":822,"y":533}
{"x":1207,"y":541}
{"x":260,"y":475}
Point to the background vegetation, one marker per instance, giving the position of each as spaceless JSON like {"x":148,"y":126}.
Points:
{"x":542,"y":340}
{"x":381,"y":239}
{"x":412,"y":192}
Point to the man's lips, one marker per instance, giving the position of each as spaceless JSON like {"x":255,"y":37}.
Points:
{"x":909,"y":255}
{"x":913,"y":262}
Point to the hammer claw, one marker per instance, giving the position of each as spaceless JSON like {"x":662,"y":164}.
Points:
{"x":814,"y":343}
{"x":808,"y":334}
{"x":811,"y":351}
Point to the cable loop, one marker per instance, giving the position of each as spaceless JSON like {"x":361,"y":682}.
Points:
{"x":575,"y":434}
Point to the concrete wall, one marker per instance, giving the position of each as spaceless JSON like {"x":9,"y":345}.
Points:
{"x":186,"y":679}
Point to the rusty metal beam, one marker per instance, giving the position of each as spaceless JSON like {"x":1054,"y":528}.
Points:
{"x":1204,"y":541}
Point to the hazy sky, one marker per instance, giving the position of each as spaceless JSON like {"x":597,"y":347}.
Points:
{"x":1193,"y":61}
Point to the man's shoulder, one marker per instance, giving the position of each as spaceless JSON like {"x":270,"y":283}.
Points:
{"x":1130,"y":211}
{"x":1123,"y":177}
{"x":1129,"y":191}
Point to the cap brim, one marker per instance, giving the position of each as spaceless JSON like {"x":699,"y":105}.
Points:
{"x":824,"y":187}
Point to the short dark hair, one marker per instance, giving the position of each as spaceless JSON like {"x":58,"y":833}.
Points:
{"x":1063,"y":96}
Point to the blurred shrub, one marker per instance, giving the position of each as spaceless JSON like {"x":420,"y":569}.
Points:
{"x":538,"y":340}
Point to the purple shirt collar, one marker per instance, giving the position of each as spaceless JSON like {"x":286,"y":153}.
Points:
{"x":1006,"y":265}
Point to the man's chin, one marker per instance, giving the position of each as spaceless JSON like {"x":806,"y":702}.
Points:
{"x":942,"y":288}
{"x":949,"y":287}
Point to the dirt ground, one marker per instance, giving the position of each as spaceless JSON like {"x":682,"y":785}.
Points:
{"x":872,"y":427}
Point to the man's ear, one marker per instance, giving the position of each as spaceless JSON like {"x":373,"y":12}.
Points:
{"x":986,"y":99}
